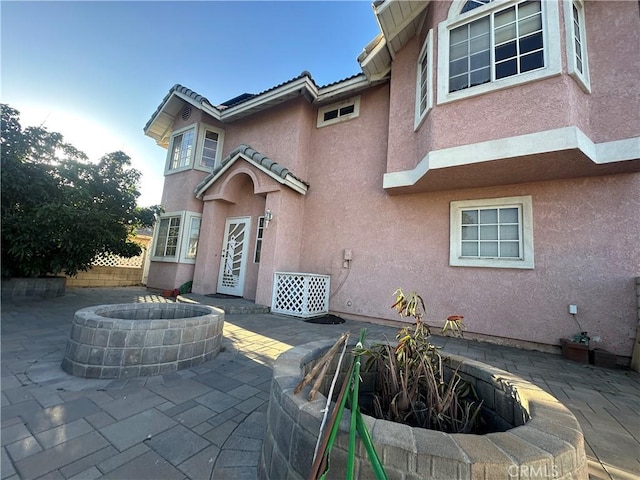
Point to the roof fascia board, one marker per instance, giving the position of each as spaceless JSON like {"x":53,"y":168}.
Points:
{"x":289,"y":180}
{"x":214,"y":112}
{"x":271,"y":95}
{"x":374,"y":52}
{"x":338,"y":89}
{"x":380,"y":13}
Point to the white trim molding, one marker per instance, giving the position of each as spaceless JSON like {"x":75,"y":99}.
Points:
{"x":580,"y":75}
{"x":524,"y":260}
{"x":556,"y":140}
{"x":289,"y":180}
{"x":345,"y":110}
{"x":426,"y":53}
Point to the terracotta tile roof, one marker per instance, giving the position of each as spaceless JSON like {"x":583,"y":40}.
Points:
{"x":261,"y":160}
{"x":183,"y":90}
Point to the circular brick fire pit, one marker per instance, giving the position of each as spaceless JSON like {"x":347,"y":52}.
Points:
{"x":540,"y":439}
{"x":141,"y":339}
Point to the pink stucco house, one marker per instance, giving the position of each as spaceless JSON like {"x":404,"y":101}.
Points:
{"x":488,"y":157}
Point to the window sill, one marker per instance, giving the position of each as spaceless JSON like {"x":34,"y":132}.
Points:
{"x":445,"y":97}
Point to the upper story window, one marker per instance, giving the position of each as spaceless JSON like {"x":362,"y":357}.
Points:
{"x":499,"y":45}
{"x":471,"y":4}
{"x":492,"y":45}
{"x":577,"y":61}
{"x":424,"y":82}
{"x":209,"y":146}
{"x":209,"y":149}
{"x":494,"y":232}
{"x":182,"y":148}
{"x":338,"y":112}
{"x":185,"y":152}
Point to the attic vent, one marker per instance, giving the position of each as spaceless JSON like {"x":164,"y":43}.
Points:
{"x":186,"y":112}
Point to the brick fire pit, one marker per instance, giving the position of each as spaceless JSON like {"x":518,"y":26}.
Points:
{"x":141,"y":339}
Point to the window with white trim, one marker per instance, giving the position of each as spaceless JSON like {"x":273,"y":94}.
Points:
{"x":424,"y":81}
{"x":577,"y":61}
{"x":487,"y":45}
{"x":494,"y":232}
{"x":338,"y":112}
{"x":259,"y":235}
{"x":181,"y":148}
{"x":167,"y":237}
{"x":193,"y":234}
{"x":209,"y":147}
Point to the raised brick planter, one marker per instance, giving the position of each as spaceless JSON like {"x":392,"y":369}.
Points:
{"x":17,"y":289}
{"x":141,"y":339}
{"x":543,"y":438}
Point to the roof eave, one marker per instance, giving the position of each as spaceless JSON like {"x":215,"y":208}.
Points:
{"x":289,"y":180}
{"x":160,"y":130}
{"x":398,"y":21}
{"x":302,"y":86}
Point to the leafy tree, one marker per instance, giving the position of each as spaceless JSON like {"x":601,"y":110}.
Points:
{"x":60,"y":211}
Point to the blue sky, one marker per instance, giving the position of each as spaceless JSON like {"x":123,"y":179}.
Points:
{"x":96,"y":71}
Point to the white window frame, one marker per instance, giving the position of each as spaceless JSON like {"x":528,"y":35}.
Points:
{"x":551,"y":41}
{"x":426,"y":53}
{"x":354,"y":101}
{"x":189,"y":217}
{"x":582,"y":78}
{"x":202,"y":131}
{"x":191,"y":157}
{"x":165,"y":258}
{"x":259,"y":238}
{"x":526,"y":259}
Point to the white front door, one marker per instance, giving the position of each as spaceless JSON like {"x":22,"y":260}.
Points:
{"x":233,"y":262}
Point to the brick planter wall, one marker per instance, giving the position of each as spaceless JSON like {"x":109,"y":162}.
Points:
{"x":141,"y":339}
{"x":545,"y":442}
{"x":16,"y":289}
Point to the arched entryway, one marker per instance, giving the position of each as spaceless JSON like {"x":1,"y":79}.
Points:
{"x":237,"y":253}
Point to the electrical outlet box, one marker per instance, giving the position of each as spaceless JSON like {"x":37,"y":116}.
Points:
{"x":573,"y":309}
{"x":348,"y":255}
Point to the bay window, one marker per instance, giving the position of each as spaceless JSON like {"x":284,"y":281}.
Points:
{"x":492,"y":45}
{"x":167,"y":236}
{"x":181,"y":148}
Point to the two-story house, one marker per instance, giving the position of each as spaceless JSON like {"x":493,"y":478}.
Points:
{"x":487,"y":156}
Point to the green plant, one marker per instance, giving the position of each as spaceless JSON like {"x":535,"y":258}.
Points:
{"x":412,"y":383}
{"x":59,"y":210}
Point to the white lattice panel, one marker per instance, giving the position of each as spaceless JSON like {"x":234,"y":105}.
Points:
{"x":117,"y":261}
{"x":300,"y":294}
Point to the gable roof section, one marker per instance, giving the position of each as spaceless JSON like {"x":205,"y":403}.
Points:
{"x":399,"y":21}
{"x":159,"y":125}
{"x":276,"y":171}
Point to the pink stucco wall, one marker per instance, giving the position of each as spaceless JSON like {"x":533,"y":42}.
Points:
{"x":613,"y":34}
{"x":585,"y":236}
{"x":585,"y":253}
{"x":610,"y":112}
{"x":280,"y":133}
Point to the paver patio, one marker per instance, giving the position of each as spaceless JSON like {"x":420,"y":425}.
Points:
{"x":208,"y":421}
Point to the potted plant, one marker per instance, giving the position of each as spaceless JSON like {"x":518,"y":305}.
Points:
{"x":577,"y":347}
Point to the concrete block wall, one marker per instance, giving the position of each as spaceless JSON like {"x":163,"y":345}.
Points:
{"x":17,"y":289}
{"x":99,"y":276}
